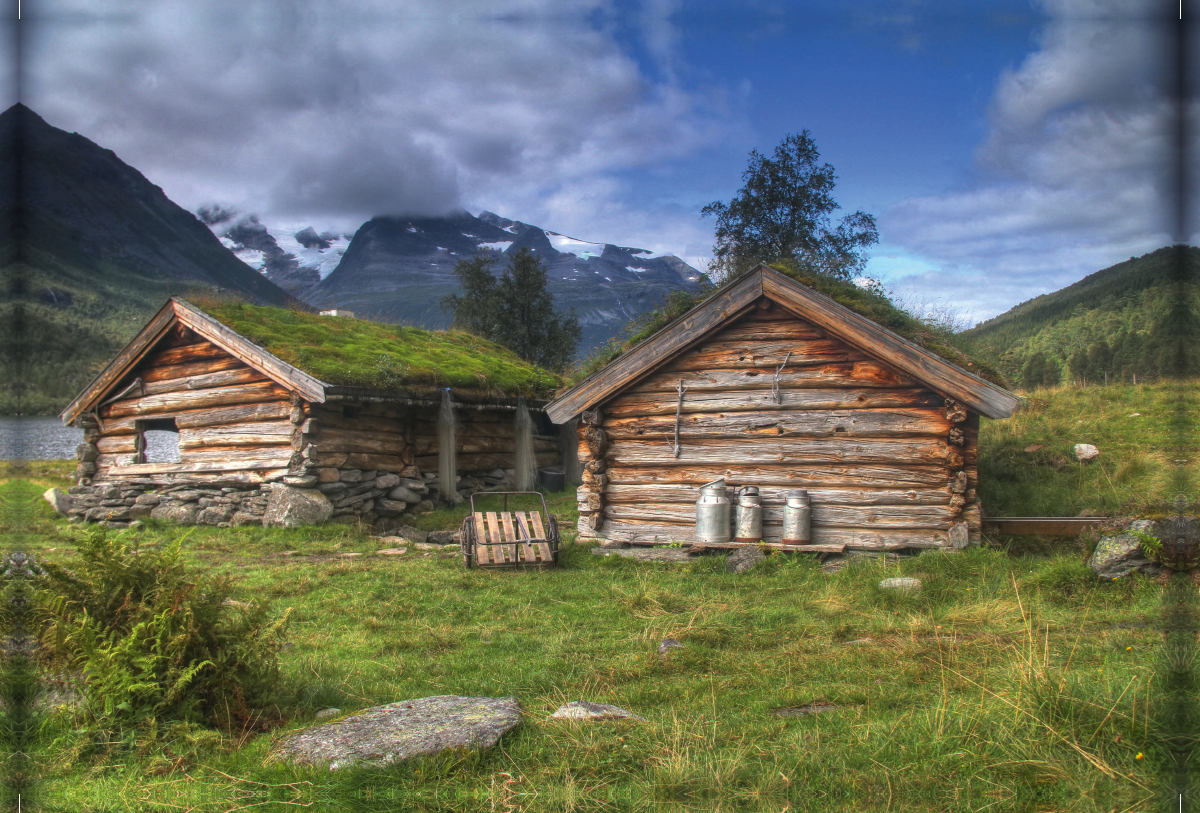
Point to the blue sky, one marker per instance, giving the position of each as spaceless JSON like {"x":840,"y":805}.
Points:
{"x":1006,"y":148}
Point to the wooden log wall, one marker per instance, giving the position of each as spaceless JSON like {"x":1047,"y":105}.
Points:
{"x":887,"y":462}
{"x":230,"y":417}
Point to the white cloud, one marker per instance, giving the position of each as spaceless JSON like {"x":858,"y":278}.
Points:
{"x":1075,"y":173}
{"x":338,"y":111}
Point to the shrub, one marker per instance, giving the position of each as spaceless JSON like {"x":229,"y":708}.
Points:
{"x":152,"y":640}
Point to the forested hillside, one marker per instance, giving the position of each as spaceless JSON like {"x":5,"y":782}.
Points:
{"x":1137,"y":318}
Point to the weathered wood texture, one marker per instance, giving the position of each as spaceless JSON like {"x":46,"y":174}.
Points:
{"x":874,"y":448}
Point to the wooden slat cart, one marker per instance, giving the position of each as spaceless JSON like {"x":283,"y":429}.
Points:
{"x":509,"y":538}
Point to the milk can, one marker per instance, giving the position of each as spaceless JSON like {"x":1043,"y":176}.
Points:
{"x":748,"y":526}
{"x":797,"y":518}
{"x":712,"y":513}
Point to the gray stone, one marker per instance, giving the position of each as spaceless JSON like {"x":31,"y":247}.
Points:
{"x":442,"y":538}
{"x":407,"y":495}
{"x":1086,"y":452}
{"x":412,"y":534}
{"x":141,"y":511}
{"x":292,"y":507}
{"x":179,"y":514}
{"x":390,"y":508}
{"x":744,"y":559}
{"x":667,"y":645}
{"x":245,"y":518}
{"x":214,"y":514}
{"x":1118,"y":555}
{"x":86,"y":453}
{"x":386,"y":481}
{"x":326,"y":713}
{"x":300,"y":480}
{"x":960,"y":535}
{"x":328,"y":475}
{"x":148,"y":499}
{"x":425,"y":506}
{"x":187,"y":495}
{"x":901,"y":584}
{"x":60,"y":502}
{"x":584,"y":710}
{"x":385,"y":734}
{"x":351,"y":476}
{"x":333,"y":490}
{"x":105,"y":514}
{"x":392,"y":551}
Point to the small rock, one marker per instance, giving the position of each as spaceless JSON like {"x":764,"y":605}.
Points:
{"x":1135,"y":414}
{"x":1086,"y":452}
{"x":329,"y":712}
{"x":960,"y":535}
{"x":412,"y":534}
{"x":385,"y":734}
{"x":59,"y":501}
{"x":744,"y":559}
{"x":804,"y":711}
{"x":301,"y":480}
{"x":442,"y":537}
{"x":245,"y":518}
{"x":386,"y":481}
{"x":392,"y":551}
{"x":584,"y":710}
{"x":351,"y":476}
{"x":901,"y":584}
{"x":179,"y":514}
{"x":667,"y":645}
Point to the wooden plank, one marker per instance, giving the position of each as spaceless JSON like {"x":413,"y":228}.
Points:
{"x":847,"y":374}
{"x":664,"y":345}
{"x":332,"y":418}
{"x":347,"y":440}
{"x":235,"y":452}
{"x":481,"y":530}
{"x":916,"y":517}
{"x":198,"y":399}
{"x":152,"y":370}
{"x":719,"y":355}
{"x":222,"y":378}
{"x":117,"y":444}
{"x":188,"y":441}
{"x":860,"y":332}
{"x":496,"y":537}
{"x":1042,"y":526}
{"x":518,"y":533}
{"x":847,"y":423}
{"x":186,"y":354}
{"x":313,"y":389}
{"x":238,"y":413}
{"x":633,"y":404}
{"x":790,"y":476}
{"x":773,"y":329}
{"x":852,"y":538}
{"x":687,"y":495}
{"x":248,"y":464}
{"x":783,"y":451}
{"x":132,"y":353}
{"x":535,"y":517}
{"x":229,"y":430}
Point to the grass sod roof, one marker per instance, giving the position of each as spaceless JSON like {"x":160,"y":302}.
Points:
{"x":396,"y":358}
{"x":866,"y":303}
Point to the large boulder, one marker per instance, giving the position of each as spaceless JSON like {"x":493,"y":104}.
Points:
{"x":1120,"y":554}
{"x":398,"y":731}
{"x":290,"y":507}
{"x":59,"y":501}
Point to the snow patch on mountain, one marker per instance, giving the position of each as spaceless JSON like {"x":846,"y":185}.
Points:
{"x":583,"y":249}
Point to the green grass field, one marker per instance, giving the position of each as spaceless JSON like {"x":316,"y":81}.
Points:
{"x":1011,"y":682}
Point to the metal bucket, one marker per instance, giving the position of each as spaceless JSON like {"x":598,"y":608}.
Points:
{"x":712,"y":513}
{"x":748,"y":527}
{"x":797,"y":518}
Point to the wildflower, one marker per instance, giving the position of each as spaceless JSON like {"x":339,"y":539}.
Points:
{"x":1139,"y":755}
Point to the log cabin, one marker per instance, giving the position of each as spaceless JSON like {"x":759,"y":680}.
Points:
{"x":772,"y":384}
{"x":371,"y":419}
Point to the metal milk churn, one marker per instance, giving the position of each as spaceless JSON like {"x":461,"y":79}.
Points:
{"x":797,"y":518}
{"x":748,"y":526}
{"x":712,"y":513}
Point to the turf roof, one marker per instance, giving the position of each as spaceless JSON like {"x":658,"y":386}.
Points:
{"x":358,"y":353}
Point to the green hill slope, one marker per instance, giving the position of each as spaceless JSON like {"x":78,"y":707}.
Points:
{"x":1139,"y":317}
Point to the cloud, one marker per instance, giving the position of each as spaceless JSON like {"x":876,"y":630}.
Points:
{"x":345,"y":110}
{"x":1076,"y":170}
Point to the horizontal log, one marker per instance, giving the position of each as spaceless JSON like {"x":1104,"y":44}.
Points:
{"x":240,"y":413}
{"x":348,"y":440}
{"x":473,"y":462}
{"x":849,"y":374}
{"x":334,"y":419}
{"x":275,"y":463}
{"x":232,"y":453}
{"x":742,"y":355}
{"x":781,"y":451}
{"x":687,"y":495}
{"x":792,"y":476}
{"x":849,"y":423}
{"x":184,"y":354}
{"x":755,"y":330}
{"x":203,"y":367}
{"x":630,"y":405}
{"x":377,"y":462}
{"x":197,"y":399}
{"x":235,"y":441}
{"x":222,"y":378}
{"x":915,"y":517}
{"x":852,"y":538}
{"x":238,"y":434}
{"x":117,"y":444}
{"x":429,"y":445}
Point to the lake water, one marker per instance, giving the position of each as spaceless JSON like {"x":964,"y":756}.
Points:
{"x":47,"y":439}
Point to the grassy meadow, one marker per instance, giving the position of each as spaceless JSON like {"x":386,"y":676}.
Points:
{"x":1013,"y":681}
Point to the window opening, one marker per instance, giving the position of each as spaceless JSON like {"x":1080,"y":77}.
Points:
{"x":158,"y":441}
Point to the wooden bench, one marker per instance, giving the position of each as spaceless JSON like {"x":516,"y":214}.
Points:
{"x":509,"y":538}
